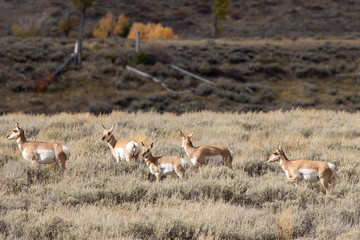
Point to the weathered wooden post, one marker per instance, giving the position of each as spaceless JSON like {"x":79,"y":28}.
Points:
{"x":137,"y":41}
{"x":76,"y":52}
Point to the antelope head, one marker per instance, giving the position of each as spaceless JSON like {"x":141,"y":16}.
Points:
{"x":16,"y":132}
{"x":146,"y":150}
{"x":185,"y":139}
{"x":107,"y":133}
{"x":276,"y":155}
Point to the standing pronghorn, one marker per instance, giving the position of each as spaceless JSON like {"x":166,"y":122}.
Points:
{"x":311,"y":171}
{"x":204,"y":155}
{"x":40,"y":152}
{"x":164,"y":165}
{"x":122,"y":149}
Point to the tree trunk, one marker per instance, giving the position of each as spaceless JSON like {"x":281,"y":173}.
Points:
{"x":80,"y":38}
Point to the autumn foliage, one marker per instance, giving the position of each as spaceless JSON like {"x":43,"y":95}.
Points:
{"x":110,"y":27}
{"x":38,"y":82}
{"x":151,"y":31}
{"x":31,"y":31}
{"x":122,"y":26}
{"x":65,"y":26}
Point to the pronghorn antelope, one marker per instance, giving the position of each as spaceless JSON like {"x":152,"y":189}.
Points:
{"x":122,"y":149}
{"x":40,"y":152}
{"x":310,"y":171}
{"x":164,"y":165}
{"x":204,"y":155}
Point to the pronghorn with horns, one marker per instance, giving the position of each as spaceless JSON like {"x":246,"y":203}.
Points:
{"x":40,"y":152}
{"x":164,"y":165}
{"x":310,"y":171}
{"x":122,"y":150}
{"x":204,"y":155}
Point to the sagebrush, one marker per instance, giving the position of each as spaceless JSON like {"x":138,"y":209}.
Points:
{"x":99,"y":199}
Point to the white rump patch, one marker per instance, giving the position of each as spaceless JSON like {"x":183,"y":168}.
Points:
{"x":231,"y":153}
{"x":332,"y":168}
{"x":45,"y":156}
{"x":130,"y":148}
{"x":309,"y":175}
{"x":120,"y":152}
{"x":184,"y":163}
{"x":166,"y":168}
{"x":216,"y":160}
{"x":66,"y":150}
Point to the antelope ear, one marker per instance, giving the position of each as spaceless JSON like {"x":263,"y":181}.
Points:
{"x":103,"y":126}
{"x":151,"y":145}
{"x":142,"y":144}
{"x":181,"y":133}
{"x":190,"y":135}
{"x":280,"y":148}
{"x":18,"y":125}
{"x":112,"y":128}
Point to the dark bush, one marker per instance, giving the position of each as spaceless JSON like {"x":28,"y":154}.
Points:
{"x":205,"y":89}
{"x":203,"y":7}
{"x":339,"y":101}
{"x":204,"y":68}
{"x":313,"y":72}
{"x":110,"y":56}
{"x":124,"y":100}
{"x":141,"y":58}
{"x":157,"y":52}
{"x":238,"y":57}
{"x":100,"y":108}
{"x":231,"y":73}
{"x":143,"y":6}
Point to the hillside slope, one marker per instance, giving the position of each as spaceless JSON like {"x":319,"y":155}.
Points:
{"x":193,"y":19}
{"x":249,"y":75}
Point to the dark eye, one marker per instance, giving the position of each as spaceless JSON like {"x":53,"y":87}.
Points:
{"x":15,"y":130}
{"x":275,"y":153}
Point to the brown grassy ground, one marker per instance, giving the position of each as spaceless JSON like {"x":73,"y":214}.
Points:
{"x":98,"y":198}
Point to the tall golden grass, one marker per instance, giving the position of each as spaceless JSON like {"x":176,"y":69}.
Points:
{"x":99,"y":199}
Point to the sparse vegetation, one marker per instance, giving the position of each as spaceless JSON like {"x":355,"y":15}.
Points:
{"x":98,"y":198}
{"x":268,"y":79}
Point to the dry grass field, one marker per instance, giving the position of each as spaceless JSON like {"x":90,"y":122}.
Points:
{"x":99,"y":199}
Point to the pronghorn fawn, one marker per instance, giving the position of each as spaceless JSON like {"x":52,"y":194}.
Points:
{"x":40,"y":152}
{"x":310,"y":171}
{"x":205,"y":155}
{"x":164,"y":165}
{"x":122,"y":150}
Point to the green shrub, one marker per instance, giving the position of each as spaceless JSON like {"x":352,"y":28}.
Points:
{"x":110,"y":56}
{"x":141,"y":58}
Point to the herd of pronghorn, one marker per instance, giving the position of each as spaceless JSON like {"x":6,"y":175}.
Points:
{"x":128,"y":150}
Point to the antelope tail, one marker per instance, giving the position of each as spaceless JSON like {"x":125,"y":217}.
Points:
{"x":133,"y":150}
